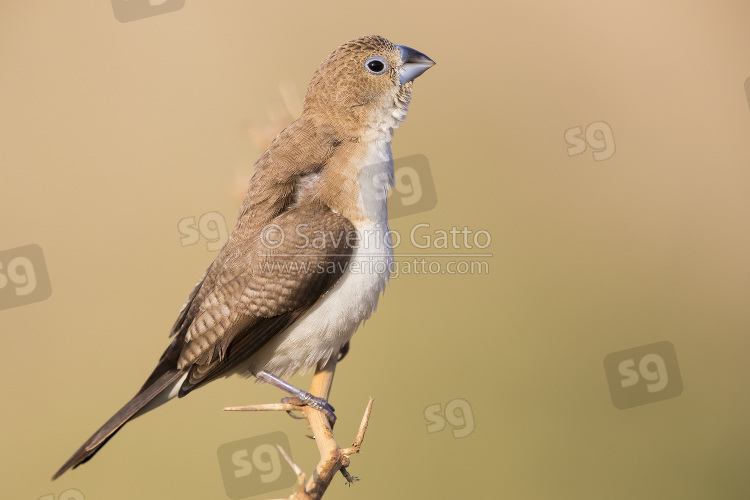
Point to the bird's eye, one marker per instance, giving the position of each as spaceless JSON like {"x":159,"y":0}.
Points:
{"x":376,"y":65}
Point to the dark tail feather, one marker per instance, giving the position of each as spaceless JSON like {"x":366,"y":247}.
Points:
{"x":119,"y":419}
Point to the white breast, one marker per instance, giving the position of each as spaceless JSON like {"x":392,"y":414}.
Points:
{"x":330,"y":323}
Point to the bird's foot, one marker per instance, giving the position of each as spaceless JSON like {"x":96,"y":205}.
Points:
{"x":303,"y":398}
{"x":349,"y":478}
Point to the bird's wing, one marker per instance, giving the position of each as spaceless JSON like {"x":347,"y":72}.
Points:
{"x":299,"y":150}
{"x":168,"y":360}
{"x":283,"y":273}
{"x":180,"y":323}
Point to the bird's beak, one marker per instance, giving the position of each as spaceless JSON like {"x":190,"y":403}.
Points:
{"x":415,"y":63}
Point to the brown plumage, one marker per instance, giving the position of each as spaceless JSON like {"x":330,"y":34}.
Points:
{"x":287,"y":306}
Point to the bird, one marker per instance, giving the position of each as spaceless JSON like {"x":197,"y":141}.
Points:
{"x":310,"y":253}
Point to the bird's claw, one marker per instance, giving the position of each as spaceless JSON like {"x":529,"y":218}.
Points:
{"x":292,"y":401}
{"x":315,"y":402}
{"x":349,"y":478}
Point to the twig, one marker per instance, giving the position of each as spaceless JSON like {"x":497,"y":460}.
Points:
{"x":295,"y":468}
{"x":354,"y":448}
{"x":266,"y":407}
{"x":332,"y":458}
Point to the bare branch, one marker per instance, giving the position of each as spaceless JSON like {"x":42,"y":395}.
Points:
{"x":266,"y":407}
{"x":354,"y":448}
{"x":295,"y":468}
{"x":332,"y":458}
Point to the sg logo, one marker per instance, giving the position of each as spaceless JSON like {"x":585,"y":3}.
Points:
{"x":599,"y":137}
{"x":132,"y":10}
{"x":254,"y":466}
{"x":211,"y":226}
{"x":643,"y":375}
{"x":458,"y":414}
{"x":23,"y":277}
{"x":413,"y":188}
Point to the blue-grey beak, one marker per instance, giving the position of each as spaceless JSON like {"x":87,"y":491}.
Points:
{"x":415,"y":63}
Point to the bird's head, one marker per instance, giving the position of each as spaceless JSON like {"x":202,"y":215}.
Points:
{"x":364,"y":85}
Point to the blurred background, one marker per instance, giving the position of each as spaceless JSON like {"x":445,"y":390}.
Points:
{"x":598,"y":152}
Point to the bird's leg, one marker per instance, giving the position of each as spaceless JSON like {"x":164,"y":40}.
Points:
{"x":343,"y":352}
{"x":302,"y":397}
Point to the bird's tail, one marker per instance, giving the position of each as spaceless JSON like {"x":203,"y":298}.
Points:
{"x":154,"y":394}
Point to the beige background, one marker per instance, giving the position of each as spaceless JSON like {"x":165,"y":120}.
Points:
{"x":110,"y":133}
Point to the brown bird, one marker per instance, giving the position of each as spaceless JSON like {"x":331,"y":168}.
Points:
{"x":310,"y":253}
